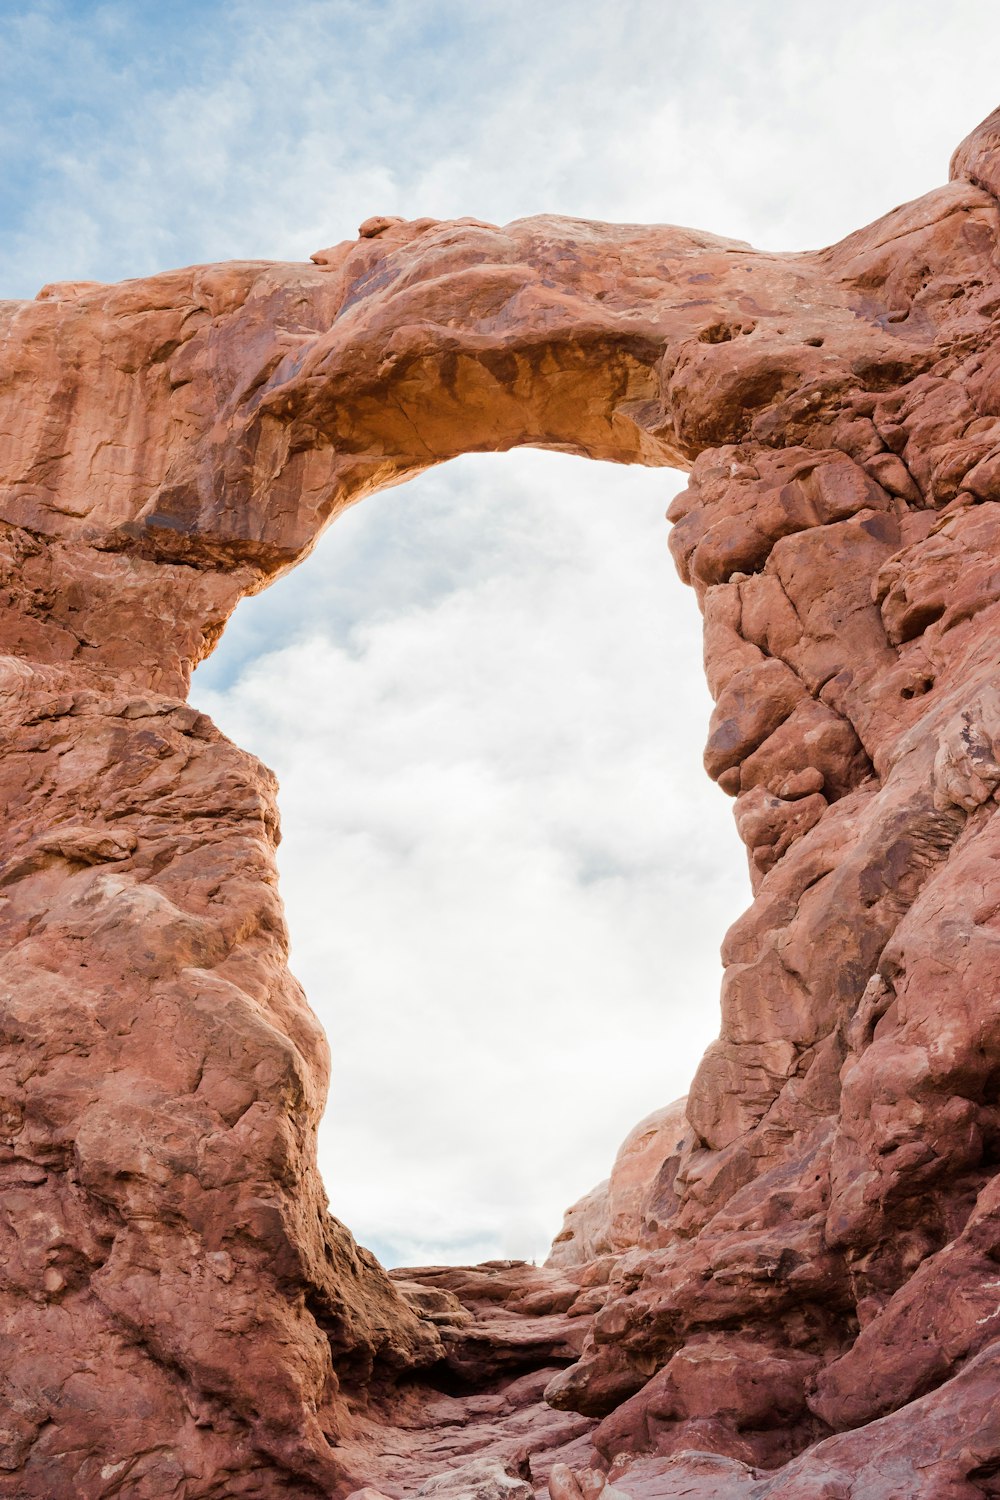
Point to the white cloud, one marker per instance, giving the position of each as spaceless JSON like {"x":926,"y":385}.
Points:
{"x":146,"y":138}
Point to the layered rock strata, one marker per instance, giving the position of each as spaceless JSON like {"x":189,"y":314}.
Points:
{"x":808,"y":1292}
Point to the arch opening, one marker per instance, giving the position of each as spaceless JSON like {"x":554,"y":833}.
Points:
{"x":502,"y":863}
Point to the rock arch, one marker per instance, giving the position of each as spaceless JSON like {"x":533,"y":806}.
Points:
{"x":184,"y":1316}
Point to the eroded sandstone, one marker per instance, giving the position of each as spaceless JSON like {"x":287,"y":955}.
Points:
{"x":792,"y":1292}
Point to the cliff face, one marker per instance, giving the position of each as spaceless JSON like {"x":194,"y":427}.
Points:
{"x":815,"y":1263}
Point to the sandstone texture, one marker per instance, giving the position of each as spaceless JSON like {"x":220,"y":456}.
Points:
{"x":633,"y":1206}
{"x":790,"y":1290}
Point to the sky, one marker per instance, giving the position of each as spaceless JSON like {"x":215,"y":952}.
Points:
{"x":506,"y":875}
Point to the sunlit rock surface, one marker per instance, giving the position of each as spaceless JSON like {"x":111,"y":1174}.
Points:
{"x":634,"y":1206}
{"x":793,"y":1291}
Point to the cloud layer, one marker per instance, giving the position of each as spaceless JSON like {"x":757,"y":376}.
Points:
{"x":137,"y":136}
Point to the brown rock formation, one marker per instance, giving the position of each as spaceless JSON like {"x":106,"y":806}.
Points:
{"x":814,"y":1305}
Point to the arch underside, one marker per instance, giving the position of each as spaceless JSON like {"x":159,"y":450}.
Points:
{"x":183,"y":1315}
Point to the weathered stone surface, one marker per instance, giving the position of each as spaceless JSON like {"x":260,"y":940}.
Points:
{"x":810,"y":1266}
{"x":483,"y":1479}
{"x":638,"y":1198}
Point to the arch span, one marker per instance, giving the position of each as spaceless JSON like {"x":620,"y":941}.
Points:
{"x":183,"y":1306}
{"x":225,"y":413}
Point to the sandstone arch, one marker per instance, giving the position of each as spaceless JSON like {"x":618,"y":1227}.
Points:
{"x":183,"y":1316}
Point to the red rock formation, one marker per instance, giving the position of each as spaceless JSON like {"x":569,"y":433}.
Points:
{"x":813,"y":1300}
{"x":634,"y":1206}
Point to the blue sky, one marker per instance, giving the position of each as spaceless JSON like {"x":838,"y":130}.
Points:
{"x":136,"y":136}
{"x":506,"y":875}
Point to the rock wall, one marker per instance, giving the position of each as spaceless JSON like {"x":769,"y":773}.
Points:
{"x":814,"y":1302}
